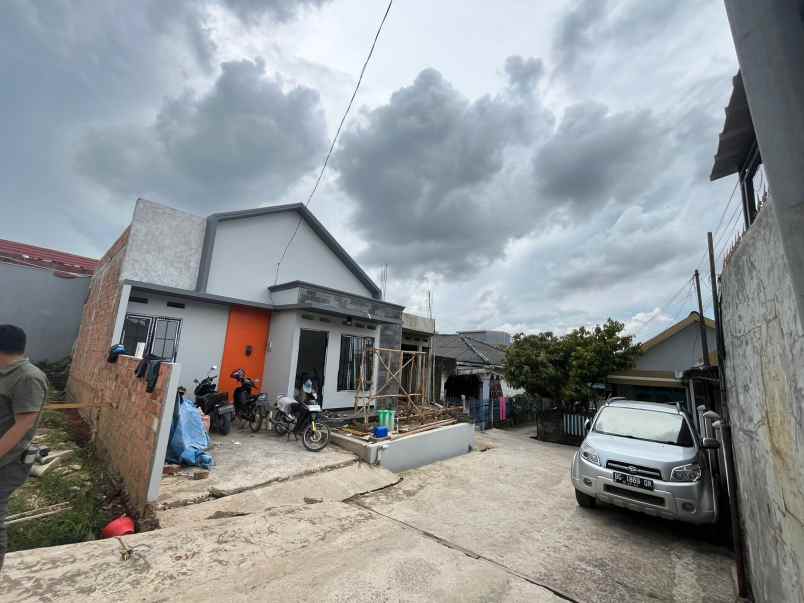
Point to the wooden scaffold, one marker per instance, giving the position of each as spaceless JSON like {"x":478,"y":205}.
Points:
{"x":410,"y":399}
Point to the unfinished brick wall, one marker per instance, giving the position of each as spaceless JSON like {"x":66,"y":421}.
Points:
{"x":127,"y":424}
{"x":125,"y":418}
{"x":97,"y":327}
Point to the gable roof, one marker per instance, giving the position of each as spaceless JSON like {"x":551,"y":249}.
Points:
{"x":692,"y":319}
{"x":469,"y":350}
{"x":214,"y":219}
{"x":48,"y":259}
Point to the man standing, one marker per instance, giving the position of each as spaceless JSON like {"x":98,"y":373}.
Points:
{"x":23,"y":391}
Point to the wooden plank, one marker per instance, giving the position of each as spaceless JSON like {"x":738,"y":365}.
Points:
{"x":69,"y":406}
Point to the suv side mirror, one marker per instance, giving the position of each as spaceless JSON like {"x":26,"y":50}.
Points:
{"x":587,"y":425}
{"x":710,"y":444}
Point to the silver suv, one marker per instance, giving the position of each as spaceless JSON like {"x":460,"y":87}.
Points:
{"x":645,"y":457}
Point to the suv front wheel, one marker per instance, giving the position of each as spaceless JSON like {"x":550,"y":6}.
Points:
{"x":584,"y":500}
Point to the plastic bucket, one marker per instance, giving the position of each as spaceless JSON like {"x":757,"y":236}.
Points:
{"x":118,"y":527}
{"x":382,"y":418}
{"x":381,"y":431}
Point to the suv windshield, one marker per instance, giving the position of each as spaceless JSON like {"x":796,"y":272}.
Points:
{"x":639,"y":424}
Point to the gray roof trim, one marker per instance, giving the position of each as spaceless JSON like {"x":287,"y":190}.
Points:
{"x":330,"y":312}
{"x":214,"y":219}
{"x":296,"y":284}
{"x":196,"y":295}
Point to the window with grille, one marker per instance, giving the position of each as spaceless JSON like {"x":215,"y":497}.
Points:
{"x":165,"y":340}
{"x":159,"y":335}
{"x":135,"y":330}
{"x":353,"y":363}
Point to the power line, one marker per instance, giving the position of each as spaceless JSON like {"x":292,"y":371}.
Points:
{"x":719,"y":222}
{"x":687,"y":284}
{"x":334,"y":138}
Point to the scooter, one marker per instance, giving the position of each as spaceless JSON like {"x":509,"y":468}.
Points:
{"x":302,"y":418}
{"x":213,"y":403}
{"x":248,"y":407}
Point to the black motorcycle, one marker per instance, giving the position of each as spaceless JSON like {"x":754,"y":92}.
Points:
{"x":248,"y":407}
{"x":302,"y":418}
{"x":213,"y":403}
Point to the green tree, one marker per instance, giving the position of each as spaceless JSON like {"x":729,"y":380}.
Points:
{"x":597,"y":353}
{"x":564,"y":368}
{"x":537,"y":364}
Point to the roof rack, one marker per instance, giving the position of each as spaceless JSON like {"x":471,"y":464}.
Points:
{"x":614,"y":399}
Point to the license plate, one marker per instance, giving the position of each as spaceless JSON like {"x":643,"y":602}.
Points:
{"x":633,"y":481}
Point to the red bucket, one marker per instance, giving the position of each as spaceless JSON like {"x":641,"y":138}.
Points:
{"x":118,"y":527}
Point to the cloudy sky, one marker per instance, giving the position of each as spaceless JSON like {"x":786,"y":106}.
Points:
{"x":536,"y":165}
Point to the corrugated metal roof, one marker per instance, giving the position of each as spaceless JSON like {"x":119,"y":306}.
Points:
{"x":468,"y":349}
{"x":42,"y":257}
{"x":738,"y":136}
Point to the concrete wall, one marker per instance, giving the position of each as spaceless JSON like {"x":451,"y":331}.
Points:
{"x":47,"y":307}
{"x":246,"y":251}
{"x":764,"y":340}
{"x":282,"y":347}
{"x":332,"y":397}
{"x":412,"y":451}
{"x":428,"y":447}
{"x":202,"y":336}
{"x":680,"y":352}
{"x":164,"y":246}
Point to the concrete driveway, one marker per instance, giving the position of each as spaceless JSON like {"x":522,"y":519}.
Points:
{"x":498,"y":525}
{"x":246,"y":460}
{"x":515,"y":506}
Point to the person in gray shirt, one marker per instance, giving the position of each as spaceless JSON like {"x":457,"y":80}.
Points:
{"x":23,"y":392}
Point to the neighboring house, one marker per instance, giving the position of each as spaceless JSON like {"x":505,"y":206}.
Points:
{"x":43,"y":291}
{"x":204,"y":291}
{"x":470,"y":363}
{"x":658,"y":373}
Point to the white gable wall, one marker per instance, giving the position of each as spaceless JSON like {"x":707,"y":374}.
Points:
{"x":246,"y":250}
{"x":680,"y":352}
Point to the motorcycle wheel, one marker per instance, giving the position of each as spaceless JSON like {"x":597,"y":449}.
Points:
{"x":256,"y":420}
{"x":280,"y":427}
{"x":224,"y":424}
{"x":317,"y":440}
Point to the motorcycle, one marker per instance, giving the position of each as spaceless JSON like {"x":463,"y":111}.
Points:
{"x":213,"y":403}
{"x":248,"y":407}
{"x":302,"y":418}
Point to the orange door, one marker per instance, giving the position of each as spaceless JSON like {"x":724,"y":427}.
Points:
{"x":246,"y":343}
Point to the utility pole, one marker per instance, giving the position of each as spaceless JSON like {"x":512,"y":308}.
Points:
{"x":716,"y":308}
{"x":702,"y":322}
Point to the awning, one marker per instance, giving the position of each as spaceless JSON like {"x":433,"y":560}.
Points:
{"x":738,"y":137}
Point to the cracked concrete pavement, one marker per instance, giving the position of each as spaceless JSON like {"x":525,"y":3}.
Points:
{"x":487,"y":526}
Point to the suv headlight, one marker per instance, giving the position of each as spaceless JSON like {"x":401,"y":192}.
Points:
{"x":686,"y":473}
{"x":589,"y":454}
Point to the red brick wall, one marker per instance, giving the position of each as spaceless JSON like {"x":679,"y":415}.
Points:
{"x":126,"y":422}
{"x":97,"y":326}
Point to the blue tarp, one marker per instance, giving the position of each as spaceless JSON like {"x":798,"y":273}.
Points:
{"x":188,"y":438}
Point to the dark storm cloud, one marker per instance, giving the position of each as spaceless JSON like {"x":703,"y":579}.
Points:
{"x":523,"y":74}
{"x":245,"y":140}
{"x":596,"y":156}
{"x":251,"y":11}
{"x":422,"y":170}
{"x":74,"y":71}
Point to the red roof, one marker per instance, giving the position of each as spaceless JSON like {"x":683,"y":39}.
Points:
{"x":41,"y":257}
